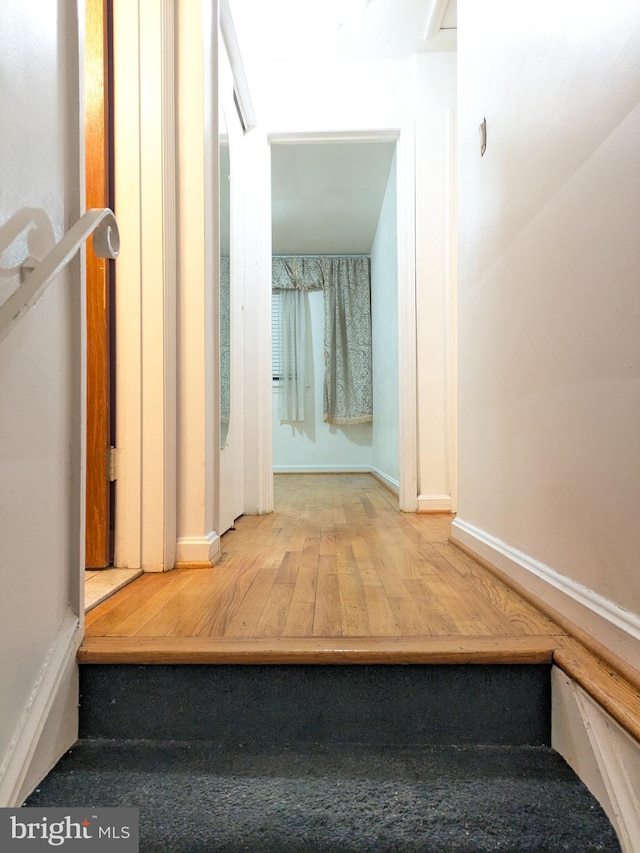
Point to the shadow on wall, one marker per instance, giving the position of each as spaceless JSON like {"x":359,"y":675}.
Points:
{"x":359,"y":434}
{"x":355,"y":433}
{"x":34,"y":228}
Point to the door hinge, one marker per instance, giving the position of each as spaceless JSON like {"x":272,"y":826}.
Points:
{"x":114,"y":463}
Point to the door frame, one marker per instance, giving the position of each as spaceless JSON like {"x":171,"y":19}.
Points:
{"x":403,"y":132}
{"x":97,"y":143}
{"x":145,"y":153}
{"x":230,"y":499}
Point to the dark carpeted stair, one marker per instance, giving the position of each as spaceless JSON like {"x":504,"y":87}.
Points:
{"x":328,"y":758}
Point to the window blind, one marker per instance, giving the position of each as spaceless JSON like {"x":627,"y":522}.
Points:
{"x":276,"y":367}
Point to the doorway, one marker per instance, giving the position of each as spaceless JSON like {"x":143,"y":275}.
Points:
{"x":402,"y":138}
{"x":334,"y":208}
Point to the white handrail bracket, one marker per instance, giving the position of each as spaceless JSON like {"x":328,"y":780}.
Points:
{"x":35,"y":276}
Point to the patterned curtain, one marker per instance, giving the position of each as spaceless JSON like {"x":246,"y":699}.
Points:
{"x":348,"y":387}
{"x":303,"y":273}
{"x":348,"y":394}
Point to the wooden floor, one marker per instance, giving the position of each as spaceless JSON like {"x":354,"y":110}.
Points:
{"x":335,"y":573}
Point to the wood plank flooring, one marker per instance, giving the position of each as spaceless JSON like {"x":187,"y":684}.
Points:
{"x":335,"y":570}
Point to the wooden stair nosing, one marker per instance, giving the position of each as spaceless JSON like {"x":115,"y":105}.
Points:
{"x":612,"y":691}
{"x":611,"y":681}
{"x":319,"y":650}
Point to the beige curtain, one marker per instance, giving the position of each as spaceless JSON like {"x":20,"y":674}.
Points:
{"x":293,"y":355}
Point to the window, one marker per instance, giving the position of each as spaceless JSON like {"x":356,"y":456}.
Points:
{"x":276,"y":351}
{"x":290,"y":369}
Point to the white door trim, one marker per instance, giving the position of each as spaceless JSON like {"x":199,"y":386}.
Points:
{"x":258,"y":450}
{"x":452,"y":296}
{"x":404,"y":133}
{"x":407,"y":333}
{"x":198,"y":473}
{"x":146,"y":302}
{"x":231,"y":499}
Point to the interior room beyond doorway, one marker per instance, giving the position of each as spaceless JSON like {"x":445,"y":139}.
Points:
{"x":335,"y":199}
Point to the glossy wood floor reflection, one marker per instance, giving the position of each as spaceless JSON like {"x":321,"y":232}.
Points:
{"x":335,"y":569}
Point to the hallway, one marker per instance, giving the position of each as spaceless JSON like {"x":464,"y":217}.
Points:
{"x":335,"y":571}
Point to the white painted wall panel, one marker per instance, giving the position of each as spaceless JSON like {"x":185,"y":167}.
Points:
{"x":42,"y":411}
{"x":384,"y":321}
{"x":549,"y":297}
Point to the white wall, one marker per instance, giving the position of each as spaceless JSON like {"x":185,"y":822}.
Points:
{"x":42,"y":411}
{"x":314,"y":445}
{"x":549,"y":266}
{"x":385,"y":457}
{"x":334,"y":94}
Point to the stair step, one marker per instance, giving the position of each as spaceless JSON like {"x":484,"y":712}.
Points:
{"x":320,"y":650}
{"x":336,"y":798}
{"x":295,"y":704}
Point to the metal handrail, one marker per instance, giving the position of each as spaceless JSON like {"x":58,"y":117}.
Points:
{"x":36,"y":275}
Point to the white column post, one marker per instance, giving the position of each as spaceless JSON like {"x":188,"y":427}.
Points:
{"x":198,"y":270}
{"x":144,"y":146}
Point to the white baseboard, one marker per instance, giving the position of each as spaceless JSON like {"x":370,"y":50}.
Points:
{"x":49,"y":724}
{"x":392,"y":484}
{"x":198,"y":550}
{"x":322,"y":469}
{"x":603,"y":755}
{"x":613,"y":626}
{"x":435,"y":503}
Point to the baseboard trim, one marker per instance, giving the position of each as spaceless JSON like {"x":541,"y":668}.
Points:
{"x":197,"y":551}
{"x":322,"y":469}
{"x":391,"y":484}
{"x":49,"y":724}
{"x":435,"y":503}
{"x":616,"y":630}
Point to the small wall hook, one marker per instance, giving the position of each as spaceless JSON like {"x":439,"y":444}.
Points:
{"x":483,"y":137}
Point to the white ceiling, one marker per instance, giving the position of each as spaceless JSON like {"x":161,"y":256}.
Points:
{"x":317,"y":29}
{"x":326,"y":197}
